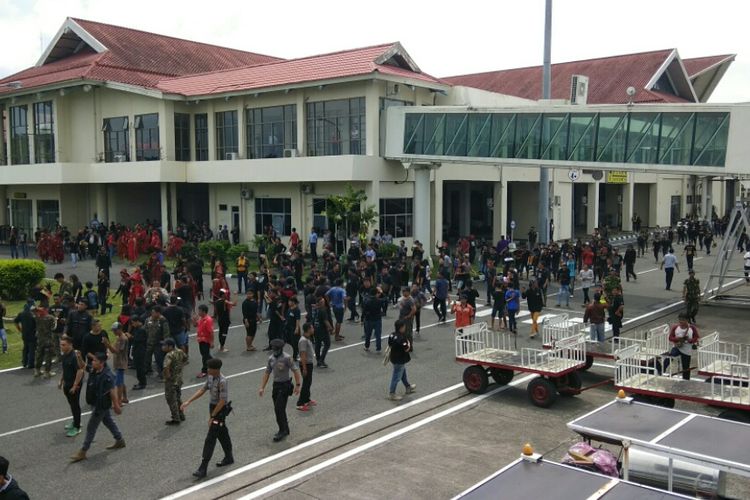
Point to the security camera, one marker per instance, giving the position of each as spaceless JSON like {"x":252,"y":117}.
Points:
{"x":630,"y":91}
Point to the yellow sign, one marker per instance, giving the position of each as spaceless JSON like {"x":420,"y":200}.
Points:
{"x":617,"y":177}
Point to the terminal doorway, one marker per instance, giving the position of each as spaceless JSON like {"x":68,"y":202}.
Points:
{"x":467,"y":209}
{"x":192,"y":203}
{"x":580,"y":209}
{"x":610,"y":205}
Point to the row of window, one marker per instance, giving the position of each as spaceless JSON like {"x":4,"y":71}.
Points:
{"x":117,"y":138}
{"x":396,"y":216}
{"x":43,"y":130}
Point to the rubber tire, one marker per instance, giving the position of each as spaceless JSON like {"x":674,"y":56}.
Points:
{"x":736,"y":416}
{"x":476,"y":379}
{"x":572,"y":384}
{"x":542,"y":392}
{"x":501,"y":376}
{"x":589,"y":363}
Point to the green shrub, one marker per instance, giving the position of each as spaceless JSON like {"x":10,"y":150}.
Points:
{"x":387,"y":250}
{"x":235,"y":250}
{"x":17,"y":277}
{"x":189,"y":251}
{"x":219,"y":248}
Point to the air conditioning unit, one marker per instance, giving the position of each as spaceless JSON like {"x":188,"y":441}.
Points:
{"x":232,"y":156}
{"x":290,"y":153}
{"x":121,"y":158}
{"x":308,"y":188}
{"x":247,"y":194}
{"x":579,"y":89}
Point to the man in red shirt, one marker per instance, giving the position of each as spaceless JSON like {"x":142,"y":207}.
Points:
{"x":587,"y":257}
{"x":205,"y":336}
{"x":463,"y":311}
{"x":293,"y":240}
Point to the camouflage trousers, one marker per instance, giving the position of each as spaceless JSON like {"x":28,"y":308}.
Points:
{"x":45,"y":351}
{"x":173,"y":395}
{"x":691,"y":309}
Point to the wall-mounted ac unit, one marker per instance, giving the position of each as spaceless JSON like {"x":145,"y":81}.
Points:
{"x":579,"y":89}
{"x":232,"y":156}
{"x":120,"y":158}
{"x":247,"y":194}
{"x":308,"y":188}
{"x":290,"y":153}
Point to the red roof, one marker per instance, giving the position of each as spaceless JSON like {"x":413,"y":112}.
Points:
{"x":133,"y":57}
{"x":697,"y":64}
{"x":609,"y":77}
{"x":347,"y":63}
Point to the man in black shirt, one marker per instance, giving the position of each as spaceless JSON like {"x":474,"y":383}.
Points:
{"x":70,"y":382}
{"x":95,"y":342}
{"x":629,"y":260}
{"x":250,"y":317}
{"x":26,"y":324}
{"x":138,"y":341}
{"x":275,"y":318}
{"x":175,"y":317}
{"x":78,"y":324}
{"x":323,"y":330}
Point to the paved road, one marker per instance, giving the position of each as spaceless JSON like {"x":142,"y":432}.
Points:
{"x":159,"y":460}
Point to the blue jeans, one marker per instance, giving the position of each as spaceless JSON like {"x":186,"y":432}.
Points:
{"x":563,"y":292}
{"x":241,"y":281}
{"x":29,"y":351}
{"x":596,"y":331}
{"x":373,"y":327}
{"x":399,"y":373}
{"x":98,"y":417}
{"x":512,"y":326}
{"x":4,"y":338}
{"x":13,"y":251}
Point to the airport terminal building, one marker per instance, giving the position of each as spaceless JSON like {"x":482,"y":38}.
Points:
{"x":133,"y":126}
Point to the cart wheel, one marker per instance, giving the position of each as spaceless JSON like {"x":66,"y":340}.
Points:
{"x":589,"y":363}
{"x":542,"y":392}
{"x":736,"y":416}
{"x":642,"y":398}
{"x":570,"y":385}
{"x":665,"y":402}
{"x":501,"y":376}
{"x":475,"y":379}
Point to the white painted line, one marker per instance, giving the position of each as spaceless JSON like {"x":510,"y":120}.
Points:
{"x":377,"y":442}
{"x":309,"y":443}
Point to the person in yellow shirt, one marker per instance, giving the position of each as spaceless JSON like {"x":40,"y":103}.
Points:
{"x":242,"y":264}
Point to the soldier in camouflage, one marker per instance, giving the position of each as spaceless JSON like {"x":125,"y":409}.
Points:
{"x":157,"y":329}
{"x":691,"y":294}
{"x":174,"y":361}
{"x":45,"y":342}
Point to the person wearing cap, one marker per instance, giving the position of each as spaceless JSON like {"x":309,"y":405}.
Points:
{"x":282,"y":366}
{"x":58,"y":310}
{"x":691,"y":294}
{"x":174,"y":362}
{"x":219,"y":408}
{"x":119,"y":349}
{"x":45,"y":348}
{"x":9,"y":489}
{"x":102,"y":397}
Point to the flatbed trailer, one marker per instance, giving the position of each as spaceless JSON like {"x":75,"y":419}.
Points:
{"x":650,"y":383}
{"x":719,"y":359}
{"x":494,"y":354}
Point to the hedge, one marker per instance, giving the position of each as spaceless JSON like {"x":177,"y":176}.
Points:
{"x":18,"y":276}
{"x":235,"y":250}
{"x":219,"y":248}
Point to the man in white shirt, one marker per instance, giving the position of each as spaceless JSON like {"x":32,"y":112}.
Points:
{"x":684,"y":337}
{"x":586,"y":277}
{"x":669,"y":264}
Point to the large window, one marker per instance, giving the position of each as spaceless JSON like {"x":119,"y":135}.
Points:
{"x":19,"y":135}
{"x":201,"y":137}
{"x":336,"y":127}
{"x":320,"y":221}
{"x":396,"y":217}
{"x":116,"y":143}
{"x":147,"y":137}
{"x":182,"y":137}
{"x":274,"y":212}
{"x":271,"y":130}
{"x":226,"y":134}
{"x":47,"y":214}
{"x":44,"y":133}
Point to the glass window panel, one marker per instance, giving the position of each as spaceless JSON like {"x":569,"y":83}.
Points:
{"x":554,"y":137}
{"x":182,"y":137}
{"x":201,"y":137}
{"x":455,"y":134}
{"x":396,"y":217}
{"x":434,"y":133}
{"x":611,"y":138}
{"x":414,"y":133}
{"x":643,"y":137}
{"x":480,"y":126}
{"x":19,"y":135}
{"x":676,"y":138}
{"x":274,"y":212}
{"x":582,"y":132}
{"x":336,"y":127}
{"x":502,"y":135}
{"x":226,"y":134}
{"x":44,"y":134}
{"x":147,"y":138}
{"x":528,"y":135}
{"x":711,"y":131}
{"x":116,"y":139}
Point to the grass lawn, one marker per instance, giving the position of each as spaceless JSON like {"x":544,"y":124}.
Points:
{"x":15,"y":344}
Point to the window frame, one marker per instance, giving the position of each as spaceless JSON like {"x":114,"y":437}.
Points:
{"x":332,"y":133}
{"x":182,"y":136}
{"x":258,"y":127}
{"x":200,"y":121}
{"x":390,"y":219}
{"x":119,"y":137}
{"x":145,"y":136}
{"x":19,"y":142}
{"x":264,"y":215}
{"x":226,"y":130}
{"x":44,"y":132}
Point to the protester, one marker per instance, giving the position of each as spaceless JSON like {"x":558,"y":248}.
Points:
{"x":399,"y":356}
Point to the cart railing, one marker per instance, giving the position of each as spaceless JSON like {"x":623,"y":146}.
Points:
{"x":630,"y":369}
{"x":733,"y":388}
{"x":559,"y":327}
{"x":477,"y":337}
{"x":566,"y":353}
{"x":715,"y":355}
{"x":657,"y":339}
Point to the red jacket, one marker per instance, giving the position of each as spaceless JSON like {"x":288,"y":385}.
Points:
{"x":693,"y":338}
{"x":206,"y":330}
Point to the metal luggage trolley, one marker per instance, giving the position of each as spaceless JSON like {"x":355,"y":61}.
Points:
{"x":716,"y":357}
{"x":493,"y":354}
{"x":642,"y":375}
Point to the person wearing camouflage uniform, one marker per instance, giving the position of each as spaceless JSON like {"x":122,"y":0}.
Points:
{"x":691,"y":294}
{"x":157,"y":329}
{"x":174,"y":361}
{"x":45,"y":342}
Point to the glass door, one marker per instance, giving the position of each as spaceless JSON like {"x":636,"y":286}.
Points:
{"x":21,"y":214}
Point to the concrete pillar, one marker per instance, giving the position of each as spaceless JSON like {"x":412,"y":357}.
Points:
{"x":211,"y":124}
{"x":3,"y":205}
{"x":464,"y":211}
{"x":372,"y":120}
{"x":164,"y":210}
{"x":437,"y":209}
{"x":212,"y":208}
{"x":111,"y":203}
{"x":100,"y":203}
{"x":173,"y":204}
{"x":301,"y":125}
{"x":498,"y":197}
{"x":422,"y":216}
{"x":707,"y":198}
{"x":592,"y":208}
{"x":502,"y":209}
{"x":628,"y":191}
{"x":242,"y":129}
{"x":372,"y":191}
{"x":166,"y":130}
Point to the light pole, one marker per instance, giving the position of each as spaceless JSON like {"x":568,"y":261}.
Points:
{"x":543,"y":205}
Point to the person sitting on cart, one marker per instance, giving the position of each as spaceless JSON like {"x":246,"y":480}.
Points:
{"x":684,"y":337}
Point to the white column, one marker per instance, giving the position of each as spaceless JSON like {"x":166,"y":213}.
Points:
{"x":173,"y":204}
{"x":164,"y":212}
{"x":301,"y":124}
{"x":100,"y":191}
{"x":372,"y":190}
{"x":422,"y":206}
{"x":592,"y":210}
{"x":242,"y":129}
{"x":707,"y":199}
{"x":628,"y":191}
{"x":437,"y":211}
{"x":372,"y":121}
{"x":211,"y":124}
{"x":464,"y":211}
{"x":498,"y":219}
{"x":502,"y":203}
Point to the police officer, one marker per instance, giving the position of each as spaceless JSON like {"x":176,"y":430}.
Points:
{"x":691,"y":294}
{"x":174,"y":361}
{"x":157,"y":329}
{"x":45,"y":347}
{"x":218,"y":408}
{"x":280,"y":364}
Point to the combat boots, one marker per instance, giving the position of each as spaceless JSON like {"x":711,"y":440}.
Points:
{"x":120,"y":443}
{"x":202,"y":470}
{"x":37,"y":373}
{"x":80,"y":455}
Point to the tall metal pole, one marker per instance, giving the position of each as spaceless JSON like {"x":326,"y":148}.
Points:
{"x":543,"y":205}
